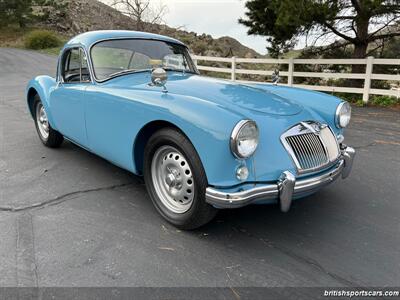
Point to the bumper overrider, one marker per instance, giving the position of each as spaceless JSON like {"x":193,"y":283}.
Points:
{"x":286,"y":188}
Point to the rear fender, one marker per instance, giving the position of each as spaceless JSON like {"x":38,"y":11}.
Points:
{"x":43,"y":86}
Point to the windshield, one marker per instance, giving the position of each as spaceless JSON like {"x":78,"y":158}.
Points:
{"x":116,"y":57}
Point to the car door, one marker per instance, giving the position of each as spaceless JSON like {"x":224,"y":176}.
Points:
{"x":112,"y":120}
{"x":68,"y":98}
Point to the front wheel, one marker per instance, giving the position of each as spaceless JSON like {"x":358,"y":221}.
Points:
{"x":175,"y":180}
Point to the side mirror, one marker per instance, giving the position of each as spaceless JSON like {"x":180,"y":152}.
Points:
{"x":275,"y":76}
{"x":159,"y":78}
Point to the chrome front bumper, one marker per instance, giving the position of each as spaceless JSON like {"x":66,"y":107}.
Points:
{"x":285,"y":189}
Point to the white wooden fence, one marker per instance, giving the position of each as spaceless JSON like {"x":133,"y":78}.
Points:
{"x":291,"y":73}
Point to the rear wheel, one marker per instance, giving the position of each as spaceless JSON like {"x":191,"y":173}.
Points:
{"x":175,"y":180}
{"x":48,"y":136}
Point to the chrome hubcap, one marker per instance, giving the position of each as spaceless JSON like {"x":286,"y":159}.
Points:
{"x":172,"y":179}
{"x":42,"y":121}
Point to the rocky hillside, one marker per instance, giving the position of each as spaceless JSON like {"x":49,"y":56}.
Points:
{"x":84,"y":15}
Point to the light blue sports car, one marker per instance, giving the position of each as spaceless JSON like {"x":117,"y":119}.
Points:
{"x":137,"y":100}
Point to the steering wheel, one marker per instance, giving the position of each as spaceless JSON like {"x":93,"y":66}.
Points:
{"x":72,"y":77}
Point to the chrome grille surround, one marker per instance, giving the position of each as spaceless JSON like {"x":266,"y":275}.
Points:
{"x":311,"y":145}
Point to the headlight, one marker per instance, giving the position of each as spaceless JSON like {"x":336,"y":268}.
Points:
{"x":343,"y":115}
{"x":244,"y":139}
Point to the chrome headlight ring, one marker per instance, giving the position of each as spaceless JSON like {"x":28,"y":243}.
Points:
{"x":343,"y":115}
{"x":244,"y":139}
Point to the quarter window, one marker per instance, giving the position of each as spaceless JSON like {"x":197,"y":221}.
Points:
{"x":74,"y":66}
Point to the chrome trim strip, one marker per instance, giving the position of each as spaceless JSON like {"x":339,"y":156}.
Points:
{"x":238,"y":199}
{"x":282,"y":190}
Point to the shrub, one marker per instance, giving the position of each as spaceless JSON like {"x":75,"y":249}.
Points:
{"x":199,"y":47}
{"x":41,"y":39}
{"x":352,"y":98}
{"x":384,"y":100}
{"x":373,"y":99}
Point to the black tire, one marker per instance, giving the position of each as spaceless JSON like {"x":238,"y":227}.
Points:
{"x":54,"y":139}
{"x":199,"y":212}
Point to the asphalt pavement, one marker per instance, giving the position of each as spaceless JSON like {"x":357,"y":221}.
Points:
{"x":69,"y":218}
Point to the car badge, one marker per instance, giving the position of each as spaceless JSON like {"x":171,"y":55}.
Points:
{"x":313,"y":127}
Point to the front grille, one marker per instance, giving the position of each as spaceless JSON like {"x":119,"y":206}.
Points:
{"x":311,"y":149}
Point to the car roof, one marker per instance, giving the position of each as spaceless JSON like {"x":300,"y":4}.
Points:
{"x":89,"y":38}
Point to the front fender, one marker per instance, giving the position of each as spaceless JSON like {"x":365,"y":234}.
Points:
{"x":208,"y":126}
{"x":42,"y":85}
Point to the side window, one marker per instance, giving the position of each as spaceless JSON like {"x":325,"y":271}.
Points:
{"x":74,"y":66}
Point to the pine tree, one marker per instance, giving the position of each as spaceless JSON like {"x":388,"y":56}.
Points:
{"x":356,"y":22}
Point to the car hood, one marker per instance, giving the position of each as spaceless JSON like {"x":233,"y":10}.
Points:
{"x":232,"y":95}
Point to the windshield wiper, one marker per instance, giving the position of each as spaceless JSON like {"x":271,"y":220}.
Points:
{"x":128,"y":71}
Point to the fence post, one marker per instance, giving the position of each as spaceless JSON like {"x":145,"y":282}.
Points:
{"x":233,"y":69}
{"x":367,"y":82}
{"x":290,"y":71}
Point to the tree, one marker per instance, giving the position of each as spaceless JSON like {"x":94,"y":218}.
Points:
{"x":141,"y":12}
{"x":15,"y":11}
{"x":23,"y":12}
{"x":356,"y":22}
{"x":3,"y":13}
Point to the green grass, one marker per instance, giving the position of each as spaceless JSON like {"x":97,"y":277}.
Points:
{"x":384,"y":101}
{"x":51,"y":51}
{"x":15,"y":37}
{"x":12,"y":37}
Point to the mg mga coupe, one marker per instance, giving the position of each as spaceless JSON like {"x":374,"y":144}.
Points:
{"x":202,"y":144}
